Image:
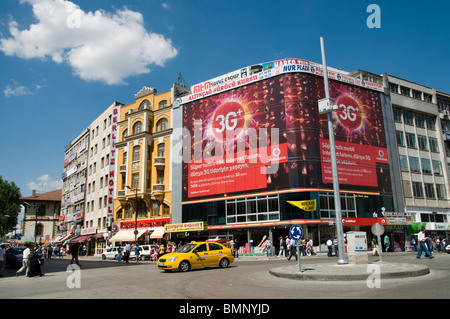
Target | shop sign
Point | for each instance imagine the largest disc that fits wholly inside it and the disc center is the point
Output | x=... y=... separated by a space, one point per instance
x=184 y=227
x=147 y=223
x=346 y=221
x=112 y=161
x=306 y=205
x=88 y=231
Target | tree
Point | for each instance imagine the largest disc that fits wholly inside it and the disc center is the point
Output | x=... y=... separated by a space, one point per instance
x=9 y=206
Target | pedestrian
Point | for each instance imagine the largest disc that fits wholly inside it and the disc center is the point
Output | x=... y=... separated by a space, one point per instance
x=414 y=244
x=50 y=252
x=309 y=247
x=236 y=247
x=336 y=246
x=136 y=252
x=268 y=247
x=386 y=242
x=375 y=248
x=2 y=259
x=330 y=247
x=119 y=254
x=161 y=250
x=233 y=248
x=61 y=252
x=288 y=246
x=35 y=265
x=25 y=262
x=75 y=250
x=282 y=248
x=292 y=245
x=422 y=244
x=126 y=255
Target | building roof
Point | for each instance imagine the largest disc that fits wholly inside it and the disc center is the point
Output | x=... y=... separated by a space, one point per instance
x=55 y=195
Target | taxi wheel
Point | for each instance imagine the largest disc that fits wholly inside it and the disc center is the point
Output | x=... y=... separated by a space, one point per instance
x=184 y=266
x=224 y=263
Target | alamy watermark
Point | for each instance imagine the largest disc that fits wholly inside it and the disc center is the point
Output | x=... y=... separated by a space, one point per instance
x=374 y=19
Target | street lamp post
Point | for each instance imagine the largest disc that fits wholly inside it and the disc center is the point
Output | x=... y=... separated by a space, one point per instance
x=337 y=200
x=135 y=215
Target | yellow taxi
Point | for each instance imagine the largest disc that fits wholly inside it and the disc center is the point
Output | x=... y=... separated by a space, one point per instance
x=196 y=254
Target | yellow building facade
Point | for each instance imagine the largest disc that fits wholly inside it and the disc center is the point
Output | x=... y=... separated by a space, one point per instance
x=143 y=194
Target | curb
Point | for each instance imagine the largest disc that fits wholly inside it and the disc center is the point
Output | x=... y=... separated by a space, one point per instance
x=350 y=272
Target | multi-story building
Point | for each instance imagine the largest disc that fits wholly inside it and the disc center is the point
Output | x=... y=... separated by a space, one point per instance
x=422 y=157
x=100 y=181
x=74 y=186
x=143 y=194
x=41 y=216
x=256 y=154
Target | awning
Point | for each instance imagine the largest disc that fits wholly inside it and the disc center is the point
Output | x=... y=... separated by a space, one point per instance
x=127 y=235
x=69 y=239
x=57 y=239
x=80 y=239
x=158 y=232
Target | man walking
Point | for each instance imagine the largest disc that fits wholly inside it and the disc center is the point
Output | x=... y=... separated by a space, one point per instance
x=25 y=262
x=423 y=246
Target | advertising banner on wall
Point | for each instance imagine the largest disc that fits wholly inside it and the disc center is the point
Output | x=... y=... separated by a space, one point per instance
x=268 y=135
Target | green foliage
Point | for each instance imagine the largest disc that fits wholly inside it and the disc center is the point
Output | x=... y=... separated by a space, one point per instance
x=9 y=206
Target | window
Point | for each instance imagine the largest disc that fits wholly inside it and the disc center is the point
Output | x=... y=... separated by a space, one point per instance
x=417 y=94
x=410 y=140
x=440 y=190
x=437 y=168
x=135 y=181
x=393 y=87
x=128 y=211
x=136 y=153
x=433 y=144
x=162 y=104
x=137 y=127
x=414 y=164
x=163 y=124
x=429 y=191
x=422 y=141
x=417 y=189
x=405 y=91
x=431 y=122
x=327 y=208
x=252 y=209
x=408 y=117
x=427 y=97
x=161 y=149
x=403 y=162
x=397 y=115
x=125 y=134
x=426 y=166
x=145 y=105
x=400 y=138
x=420 y=120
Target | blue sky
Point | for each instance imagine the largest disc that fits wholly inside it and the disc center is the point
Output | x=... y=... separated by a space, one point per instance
x=64 y=62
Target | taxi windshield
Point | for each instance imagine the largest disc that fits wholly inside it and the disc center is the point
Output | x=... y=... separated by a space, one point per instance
x=187 y=248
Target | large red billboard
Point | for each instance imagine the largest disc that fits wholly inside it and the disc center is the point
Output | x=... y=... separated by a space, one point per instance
x=269 y=136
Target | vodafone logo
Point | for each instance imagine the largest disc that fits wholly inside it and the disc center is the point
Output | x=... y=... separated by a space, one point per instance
x=229 y=121
x=349 y=113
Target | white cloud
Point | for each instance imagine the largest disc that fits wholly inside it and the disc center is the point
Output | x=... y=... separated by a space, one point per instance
x=17 y=90
x=44 y=184
x=99 y=46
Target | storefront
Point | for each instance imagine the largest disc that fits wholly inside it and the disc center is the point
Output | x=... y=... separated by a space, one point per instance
x=147 y=231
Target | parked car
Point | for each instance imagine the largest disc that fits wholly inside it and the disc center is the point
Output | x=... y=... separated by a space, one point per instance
x=111 y=253
x=144 y=252
x=196 y=254
x=447 y=249
x=14 y=256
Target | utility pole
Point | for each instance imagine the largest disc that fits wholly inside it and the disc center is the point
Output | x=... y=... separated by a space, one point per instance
x=337 y=198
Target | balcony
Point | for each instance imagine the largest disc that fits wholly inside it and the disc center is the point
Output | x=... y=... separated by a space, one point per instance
x=160 y=162
x=123 y=168
x=158 y=190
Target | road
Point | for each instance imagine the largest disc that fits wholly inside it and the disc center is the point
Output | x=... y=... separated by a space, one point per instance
x=244 y=279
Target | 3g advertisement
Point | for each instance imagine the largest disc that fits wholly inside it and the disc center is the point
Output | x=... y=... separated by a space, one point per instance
x=268 y=136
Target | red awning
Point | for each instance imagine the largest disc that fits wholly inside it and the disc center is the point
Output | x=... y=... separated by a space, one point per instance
x=80 y=239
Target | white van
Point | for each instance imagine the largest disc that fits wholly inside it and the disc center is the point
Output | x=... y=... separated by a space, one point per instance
x=111 y=253
x=144 y=252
